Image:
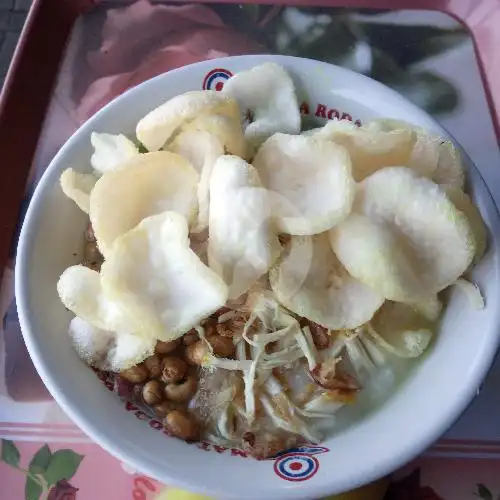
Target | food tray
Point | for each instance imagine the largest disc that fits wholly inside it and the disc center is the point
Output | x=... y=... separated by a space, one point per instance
x=452 y=56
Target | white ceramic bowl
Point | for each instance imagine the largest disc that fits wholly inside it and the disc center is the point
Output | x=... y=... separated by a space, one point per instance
x=422 y=408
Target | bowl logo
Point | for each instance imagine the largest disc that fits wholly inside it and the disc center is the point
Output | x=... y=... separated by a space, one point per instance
x=298 y=464
x=215 y=79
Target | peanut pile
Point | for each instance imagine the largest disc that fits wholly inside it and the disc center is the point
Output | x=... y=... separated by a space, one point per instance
x=168 y=384
x=168 y=380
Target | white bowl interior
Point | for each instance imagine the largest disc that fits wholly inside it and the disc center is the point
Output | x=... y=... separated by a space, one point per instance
x=419 y=411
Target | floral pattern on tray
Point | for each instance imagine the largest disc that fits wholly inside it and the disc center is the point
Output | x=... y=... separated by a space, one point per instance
x=48 y=473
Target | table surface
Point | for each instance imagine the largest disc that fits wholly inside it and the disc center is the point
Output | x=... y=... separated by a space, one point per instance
x=462 y=466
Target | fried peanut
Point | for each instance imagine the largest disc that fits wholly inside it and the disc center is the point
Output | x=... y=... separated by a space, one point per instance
x=182 y=391
x=135 y=374
x=154 y=365
x=182 y=425
x=152 y=392
x=173 y=369
x=167 y=347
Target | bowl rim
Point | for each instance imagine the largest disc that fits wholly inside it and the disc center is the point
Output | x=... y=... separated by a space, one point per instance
x=95 y=431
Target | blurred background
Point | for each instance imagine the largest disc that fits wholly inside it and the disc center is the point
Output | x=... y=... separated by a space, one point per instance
x=12 y=16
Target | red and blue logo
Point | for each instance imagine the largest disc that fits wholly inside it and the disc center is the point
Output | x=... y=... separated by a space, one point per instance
x=298 y=464
x=215 y=79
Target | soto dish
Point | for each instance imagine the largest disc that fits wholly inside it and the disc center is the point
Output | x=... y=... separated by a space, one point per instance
x=248 y=281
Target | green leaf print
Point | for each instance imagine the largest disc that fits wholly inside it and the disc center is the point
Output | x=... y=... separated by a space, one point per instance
x=32 y=489
x=10 y=453
x=40 y=460
x=63 y=465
